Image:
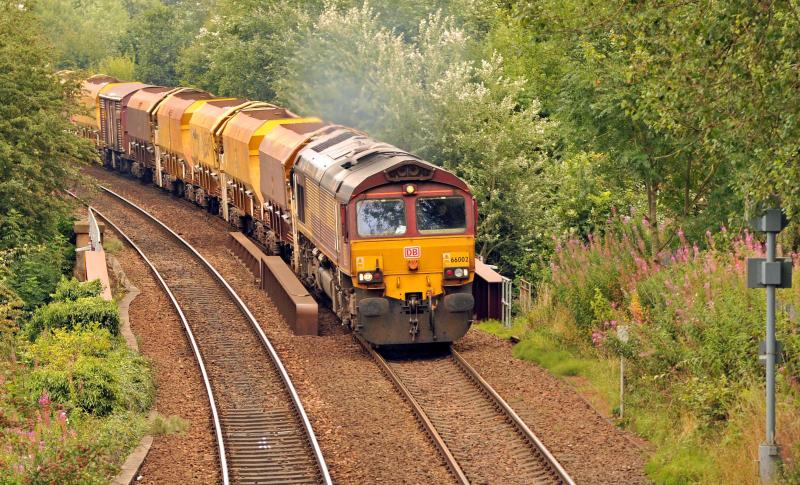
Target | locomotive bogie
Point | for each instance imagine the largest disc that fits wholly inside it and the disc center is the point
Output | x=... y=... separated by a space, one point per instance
x=417 y=319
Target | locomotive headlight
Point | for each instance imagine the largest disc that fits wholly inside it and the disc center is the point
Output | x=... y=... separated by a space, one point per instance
x=459 y=273
x=410 y=189
x=367 y=277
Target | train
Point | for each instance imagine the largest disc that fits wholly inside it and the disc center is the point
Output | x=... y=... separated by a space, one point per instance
x=386 y=238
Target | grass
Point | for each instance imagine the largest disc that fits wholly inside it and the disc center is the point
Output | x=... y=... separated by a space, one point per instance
x=112 y=245
x=166 y=425
x=597 y=379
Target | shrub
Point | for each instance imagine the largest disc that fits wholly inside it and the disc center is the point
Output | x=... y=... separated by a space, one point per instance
x=72 y=289
x=88 y=369
x=71 y=314
x=60 y=446
x=34 y=271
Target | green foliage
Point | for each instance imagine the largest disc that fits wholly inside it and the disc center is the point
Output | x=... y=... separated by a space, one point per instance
x=66 y=25
x=121 y=67
x=694 y=330
x=426 y=95
x=71 y=314
x=89 y=369
x=39 y=154
x=33 y=271
x=243 y=51
x=112 y=245
x=154 y=41
x=54 y=446
x=72 y=289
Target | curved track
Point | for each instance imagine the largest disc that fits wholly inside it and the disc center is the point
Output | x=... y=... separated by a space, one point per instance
x=263 y=433
x=477 y=433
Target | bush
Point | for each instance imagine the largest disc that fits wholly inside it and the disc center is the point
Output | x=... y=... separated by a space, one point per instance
x=71 y=314
x=35 y=271
x=88 y=369
x=72 y=289
x=59 y=446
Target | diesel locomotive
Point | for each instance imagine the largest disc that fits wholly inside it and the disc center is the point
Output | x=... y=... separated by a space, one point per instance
x=386 y=238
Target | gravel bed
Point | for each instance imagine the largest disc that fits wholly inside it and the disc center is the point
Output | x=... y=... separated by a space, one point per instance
x=591 y=449
x=184 y=457
x=366 y=431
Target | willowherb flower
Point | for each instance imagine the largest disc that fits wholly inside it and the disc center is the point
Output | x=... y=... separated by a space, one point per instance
x=44 y=400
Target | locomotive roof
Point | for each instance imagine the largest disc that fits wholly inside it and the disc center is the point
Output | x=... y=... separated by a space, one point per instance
x=346 y=163
x=117 y=91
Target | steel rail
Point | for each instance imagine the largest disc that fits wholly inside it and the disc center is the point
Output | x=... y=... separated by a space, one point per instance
x=430 y=429
x=192 y=342
x=512 y=416
x=298 y=405
x=484 y=387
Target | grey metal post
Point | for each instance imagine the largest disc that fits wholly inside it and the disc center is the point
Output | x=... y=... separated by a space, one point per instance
x=769 y=273
x=768 y=455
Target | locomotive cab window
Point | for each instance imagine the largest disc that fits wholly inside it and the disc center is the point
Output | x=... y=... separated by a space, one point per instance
x=441 y=215
x=381 y=217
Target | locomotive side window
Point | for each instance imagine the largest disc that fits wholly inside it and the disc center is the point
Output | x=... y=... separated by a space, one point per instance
x=301 y=203
x=381 y=217
x=441 y=215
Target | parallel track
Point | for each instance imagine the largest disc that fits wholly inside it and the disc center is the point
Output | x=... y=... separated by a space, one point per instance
x=480 y=437
x=263 y=433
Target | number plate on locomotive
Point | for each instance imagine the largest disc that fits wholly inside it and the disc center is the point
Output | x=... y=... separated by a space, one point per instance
x=412 y=252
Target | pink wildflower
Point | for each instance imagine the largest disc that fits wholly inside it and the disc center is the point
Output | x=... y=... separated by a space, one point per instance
x=44 y=401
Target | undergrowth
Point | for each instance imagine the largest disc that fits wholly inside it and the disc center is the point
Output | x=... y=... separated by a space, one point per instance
x=72 y=395
x=694 y=386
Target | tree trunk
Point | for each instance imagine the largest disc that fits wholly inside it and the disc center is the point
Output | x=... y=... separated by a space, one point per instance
x=652 y=197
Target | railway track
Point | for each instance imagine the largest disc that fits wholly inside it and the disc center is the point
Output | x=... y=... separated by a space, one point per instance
x=480 y=437
x=263 y=433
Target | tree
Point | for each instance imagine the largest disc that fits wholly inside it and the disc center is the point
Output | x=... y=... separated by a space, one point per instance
x=697 y=98
x=243 y=48
x=426 y=95
x=39 y=153
x=154 y=41
x=81 y=33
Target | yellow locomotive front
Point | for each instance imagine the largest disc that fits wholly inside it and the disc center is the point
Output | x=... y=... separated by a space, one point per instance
x=412 y=256
x=389 y=239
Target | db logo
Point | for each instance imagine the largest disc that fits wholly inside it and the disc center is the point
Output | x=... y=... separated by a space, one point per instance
x=412 y=252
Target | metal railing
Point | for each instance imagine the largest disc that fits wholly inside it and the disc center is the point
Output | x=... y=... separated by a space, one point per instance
x=507 y=300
